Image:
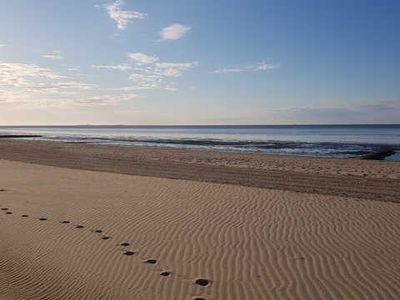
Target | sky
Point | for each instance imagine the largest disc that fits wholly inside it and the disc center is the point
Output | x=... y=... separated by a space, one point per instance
x=199 y=62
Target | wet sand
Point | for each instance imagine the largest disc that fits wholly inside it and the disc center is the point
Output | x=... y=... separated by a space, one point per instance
x=194 y=227
x=364 y=179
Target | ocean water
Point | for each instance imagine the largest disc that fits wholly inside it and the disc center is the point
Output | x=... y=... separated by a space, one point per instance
x=308 y=140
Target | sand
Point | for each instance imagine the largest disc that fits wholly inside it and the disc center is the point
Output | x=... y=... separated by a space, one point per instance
x=245 y=242
x=354 y=178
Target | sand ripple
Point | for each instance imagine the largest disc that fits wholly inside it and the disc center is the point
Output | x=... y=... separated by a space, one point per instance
x=208 y=241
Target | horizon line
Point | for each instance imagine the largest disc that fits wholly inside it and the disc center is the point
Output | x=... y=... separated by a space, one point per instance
x=201 y=125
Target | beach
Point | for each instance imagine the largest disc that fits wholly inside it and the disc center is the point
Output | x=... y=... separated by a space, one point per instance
x=86 y=221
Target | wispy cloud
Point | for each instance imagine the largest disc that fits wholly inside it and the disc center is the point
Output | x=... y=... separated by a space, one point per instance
x=56 y=55
x=261 y=66
x=174 y=32
x=2 y=45
x=148 y=72
x=122 y=17
x=141 y=58
x=73 y=69
x=104 y=100
x=123 y=67
x=173 y=69
x=158 y=75
x=22 y=82
x=21 y=74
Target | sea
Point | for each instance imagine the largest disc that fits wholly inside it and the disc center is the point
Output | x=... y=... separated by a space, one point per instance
x=306 y=140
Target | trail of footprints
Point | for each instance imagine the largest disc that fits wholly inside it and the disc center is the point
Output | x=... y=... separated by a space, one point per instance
x=202 y=282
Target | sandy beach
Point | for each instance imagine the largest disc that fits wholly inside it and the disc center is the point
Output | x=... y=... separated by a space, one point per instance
x=83 y=221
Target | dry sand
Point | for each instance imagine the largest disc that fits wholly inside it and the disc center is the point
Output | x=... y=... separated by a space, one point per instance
x=250 y=242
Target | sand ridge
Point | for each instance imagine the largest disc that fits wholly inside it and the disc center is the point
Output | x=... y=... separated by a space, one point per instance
x=249 y=243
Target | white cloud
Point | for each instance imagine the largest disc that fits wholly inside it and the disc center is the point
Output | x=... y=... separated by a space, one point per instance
x=142 y=58
x=30 y=83
x=123 y=67
x=105 y=99
x=21 y=74
x=122 y=17
x=230 y=70
x=2 y=45
x=158 y=75
x=149 y=73
x=73 y=69
x=173 y=69
x=59 y=86
x=56 y=55
x=261 y=66
x=174 y=32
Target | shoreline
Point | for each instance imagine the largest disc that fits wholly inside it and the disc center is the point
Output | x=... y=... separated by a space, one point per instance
x=340 y=141
x=363 y=179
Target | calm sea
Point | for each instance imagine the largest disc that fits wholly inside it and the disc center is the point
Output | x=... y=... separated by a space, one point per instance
x=310 y=140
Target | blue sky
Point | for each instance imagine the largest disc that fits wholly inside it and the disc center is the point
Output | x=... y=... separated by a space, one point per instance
x=199 y=62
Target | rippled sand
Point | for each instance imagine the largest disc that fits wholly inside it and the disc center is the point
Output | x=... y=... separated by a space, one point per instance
x=75 y=234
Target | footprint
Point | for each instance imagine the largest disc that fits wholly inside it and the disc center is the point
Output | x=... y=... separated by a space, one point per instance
x=98 y=231
x=129 y=253
x=4 y=208
x=165 y=273
x=150 y=261
x=66 y=222
x=80 y=226
x=198 y=298
x=24 y=216
x=2 y=190
x=9 y=212
x=125 y=244
x=202 y=281
x=43 y=219
x=106 y=237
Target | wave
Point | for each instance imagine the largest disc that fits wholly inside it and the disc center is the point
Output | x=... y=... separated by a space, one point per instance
x=325 y=141
x=323 y=149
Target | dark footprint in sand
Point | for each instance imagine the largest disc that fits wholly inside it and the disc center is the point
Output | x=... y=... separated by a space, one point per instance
x=24 y=216
x=4 y=208
x=2 y=190
x=98 y=231
x=129 y=253
x=151 y=261
x=106 y=238
x=65 y=222
x=9 y=212
x=80 y=226
x=198 y=298
x=43 y=219
x=165 y=273
x=125 y=244
x=202 y=282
